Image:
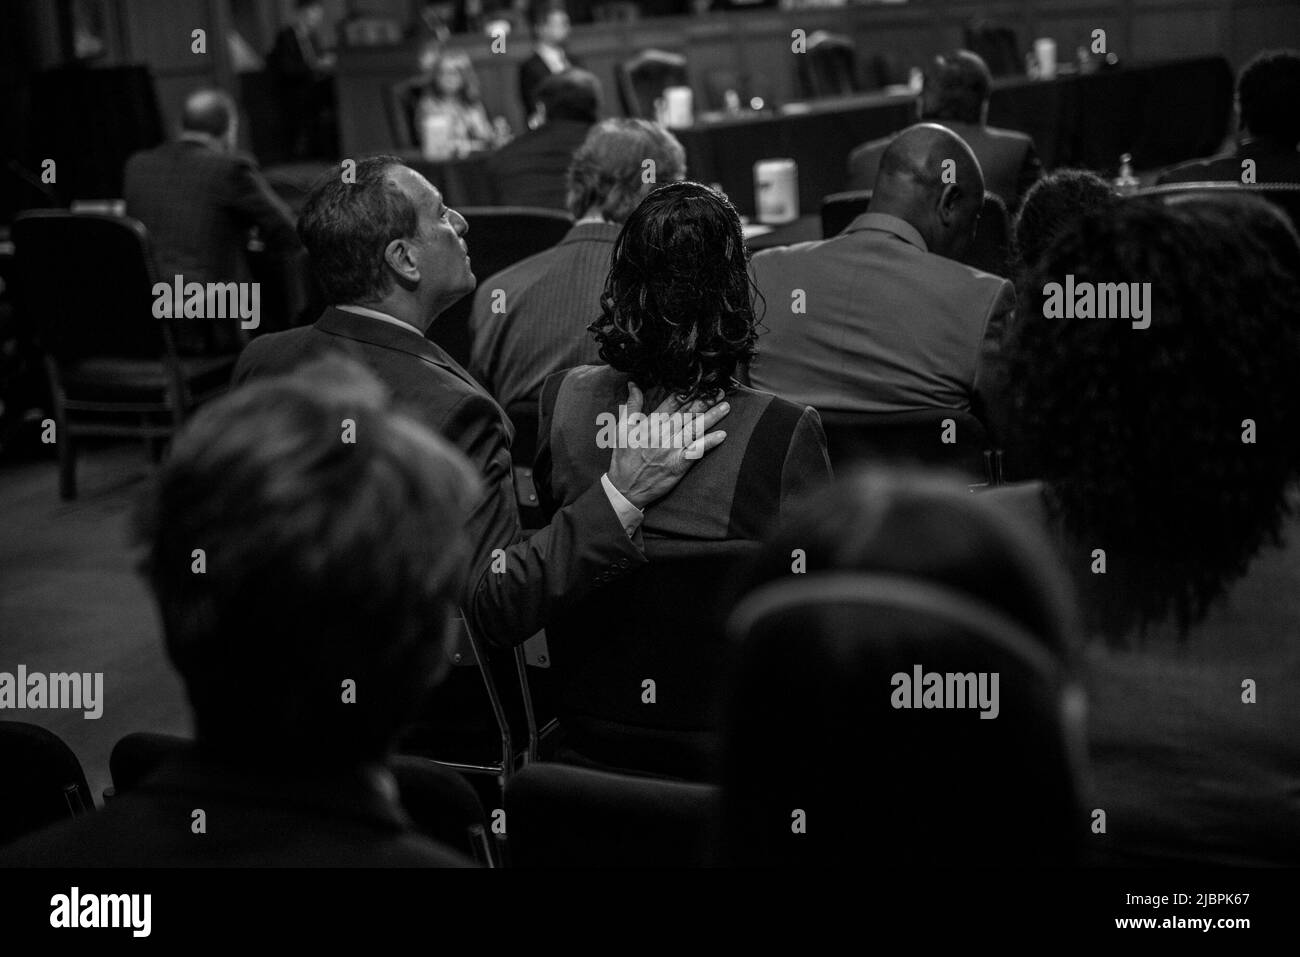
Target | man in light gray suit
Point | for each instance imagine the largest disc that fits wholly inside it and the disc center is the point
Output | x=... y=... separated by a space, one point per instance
x=881 y=318
x=956 y=95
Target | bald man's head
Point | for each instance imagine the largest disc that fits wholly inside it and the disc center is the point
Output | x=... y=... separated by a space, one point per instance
x=929 y=177
x=212 y=113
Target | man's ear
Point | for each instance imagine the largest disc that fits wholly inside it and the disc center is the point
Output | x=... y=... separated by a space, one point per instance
x=950 y=203
x=400 y=257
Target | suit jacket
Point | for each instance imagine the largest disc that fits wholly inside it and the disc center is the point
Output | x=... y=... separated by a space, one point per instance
x=1008 y=159
x=532 y=169
x=775 y=451
x=254 y=818
x=1272 y=165
x=558 y=564
x=199 y=205
x=661 y=624
x=888 y=326
x=293 y=57
x=531 y=74
x=550 y=299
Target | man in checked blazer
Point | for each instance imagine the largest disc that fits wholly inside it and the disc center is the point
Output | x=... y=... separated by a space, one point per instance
x=881 y=318
x=199 y=198
x=390 y=257
x=550 y=298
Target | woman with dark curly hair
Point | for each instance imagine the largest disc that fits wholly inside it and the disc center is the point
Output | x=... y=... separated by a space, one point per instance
x=677 y=320
x=1168 y=455
x=1050 y=206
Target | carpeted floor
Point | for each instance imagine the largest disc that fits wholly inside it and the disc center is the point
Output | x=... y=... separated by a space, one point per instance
x=71 y=601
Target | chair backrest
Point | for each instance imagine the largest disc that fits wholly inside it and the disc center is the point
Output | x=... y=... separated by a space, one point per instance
x=643 y=79
x=41 y=783
x=659 y=624
x=139 y=754
x=997 y=45
x=936 y=437
x=84 y=282
x=830 y=67
x=562 y=816
x=952 y=734
x=888 y=69
x=441 y=803
x=1286 y=196
x=499 y=236
x=840 y=209
x=990 y=251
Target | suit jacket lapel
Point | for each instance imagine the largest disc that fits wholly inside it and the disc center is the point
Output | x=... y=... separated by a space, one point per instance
x=376 y=332
x=385 y=335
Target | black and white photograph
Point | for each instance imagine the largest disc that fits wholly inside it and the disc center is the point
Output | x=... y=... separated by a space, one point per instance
x=725 y=454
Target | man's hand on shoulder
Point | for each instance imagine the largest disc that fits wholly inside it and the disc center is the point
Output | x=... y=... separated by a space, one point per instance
x=669 y=441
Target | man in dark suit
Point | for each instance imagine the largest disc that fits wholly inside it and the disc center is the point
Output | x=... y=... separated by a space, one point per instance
x=303 y=71
x=390 y=256
x=311 y=631
x=531 y=319
x=1268 y=141
x=882 y=318
x=530 y=169
x=550 y=20
x=199 y=198
x=956 y=95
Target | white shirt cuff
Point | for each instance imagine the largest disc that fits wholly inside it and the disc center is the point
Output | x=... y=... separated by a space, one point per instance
x=628 y=514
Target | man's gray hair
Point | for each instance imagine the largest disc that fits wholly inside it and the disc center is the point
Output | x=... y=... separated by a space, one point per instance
x=618 y=164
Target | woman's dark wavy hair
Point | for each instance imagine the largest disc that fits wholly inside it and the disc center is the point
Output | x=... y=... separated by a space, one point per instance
x=677 y=312
x=1139 y=433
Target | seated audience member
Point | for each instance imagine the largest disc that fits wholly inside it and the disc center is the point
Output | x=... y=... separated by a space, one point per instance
x=551 y=298
x=199 y=198
x=1168 y=457
x=446 y=92
x=900 y=567
x=1269 y=130
x=327 y=562
x=303 y=71
x=530 y=169
x=390 y=257
x=881 y=318
x=550 y=22
x=956 y=95
x=1051 y=206
x=677 y=323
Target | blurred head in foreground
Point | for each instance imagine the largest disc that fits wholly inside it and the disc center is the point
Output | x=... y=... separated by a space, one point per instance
x=903 y=694
x=304 y=543
x=1168 y=448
